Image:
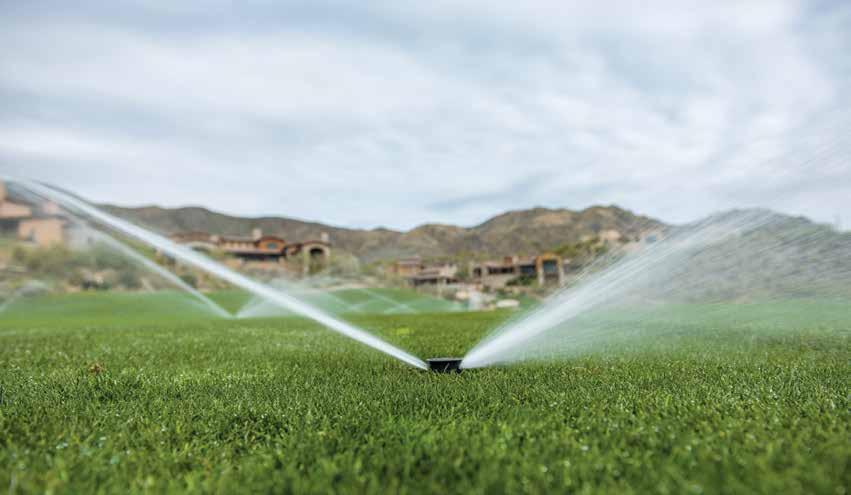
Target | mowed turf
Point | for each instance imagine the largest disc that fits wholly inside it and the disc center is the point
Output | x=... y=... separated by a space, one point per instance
x=353 y=301
x=152 y=396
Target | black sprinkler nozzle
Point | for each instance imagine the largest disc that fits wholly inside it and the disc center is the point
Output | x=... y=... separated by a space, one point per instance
x=444 y=365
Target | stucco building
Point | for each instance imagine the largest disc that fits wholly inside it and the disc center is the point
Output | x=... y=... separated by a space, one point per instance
x=543 y=269
x=407 y=267
x=41 y=225
x=418 y=273
x=437 y=274
x=260 y=250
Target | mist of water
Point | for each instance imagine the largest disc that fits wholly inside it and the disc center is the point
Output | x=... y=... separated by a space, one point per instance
x=199 y=261
x=325 y=292
x=729 y=259
x=165 y=274
x=325 y=299
x=31 y=288
x=396 y=306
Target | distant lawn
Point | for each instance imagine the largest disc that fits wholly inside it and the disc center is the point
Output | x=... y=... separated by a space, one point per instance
x=117 y=393
x=396 y=301
x=88 y=306
x=345 y=302
x=92 y=307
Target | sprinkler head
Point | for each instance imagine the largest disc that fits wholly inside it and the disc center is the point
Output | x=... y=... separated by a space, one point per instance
x=444 y=365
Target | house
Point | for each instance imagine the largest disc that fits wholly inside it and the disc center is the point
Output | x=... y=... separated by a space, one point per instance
x=259 y=250
x=543 y=269
x=407 y=267
x=41 y=225
x=418 y=273
x=42 y=231
x=438 y=274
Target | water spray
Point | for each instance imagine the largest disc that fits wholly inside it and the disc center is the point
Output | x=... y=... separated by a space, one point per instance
x=705 y=268
x=162 y=272
x=199 y=261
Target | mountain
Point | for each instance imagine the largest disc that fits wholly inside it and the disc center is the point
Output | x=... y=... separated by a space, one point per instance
x=515 y=232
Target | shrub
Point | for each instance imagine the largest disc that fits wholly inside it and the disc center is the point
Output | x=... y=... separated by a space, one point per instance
x=129 y=279
x=190 y=279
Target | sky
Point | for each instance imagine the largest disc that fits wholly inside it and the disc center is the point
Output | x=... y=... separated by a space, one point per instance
x=365 y=113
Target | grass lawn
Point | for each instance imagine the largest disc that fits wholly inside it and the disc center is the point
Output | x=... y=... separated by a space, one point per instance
x=354 y=301
x=112 y=393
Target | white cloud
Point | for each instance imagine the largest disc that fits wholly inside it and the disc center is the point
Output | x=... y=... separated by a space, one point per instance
x=377 y=118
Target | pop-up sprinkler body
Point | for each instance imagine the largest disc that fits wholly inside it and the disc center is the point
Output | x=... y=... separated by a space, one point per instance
x=444 y=365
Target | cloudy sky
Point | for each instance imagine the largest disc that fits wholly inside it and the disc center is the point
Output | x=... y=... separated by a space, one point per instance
x=361 y=113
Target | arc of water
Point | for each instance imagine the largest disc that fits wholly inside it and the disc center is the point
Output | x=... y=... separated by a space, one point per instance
x=255 y=306
x=606 y=285
x=404 y=307
x=339 y=300
x=202 y=262
x=169 y=276
x=17 y=294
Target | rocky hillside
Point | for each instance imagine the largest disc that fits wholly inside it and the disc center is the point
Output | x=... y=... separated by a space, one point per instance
x=523 y=231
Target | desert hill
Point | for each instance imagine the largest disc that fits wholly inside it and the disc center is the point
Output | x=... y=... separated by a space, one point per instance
x=522 y=231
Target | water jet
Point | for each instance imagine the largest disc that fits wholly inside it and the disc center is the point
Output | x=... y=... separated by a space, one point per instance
x=197 y=260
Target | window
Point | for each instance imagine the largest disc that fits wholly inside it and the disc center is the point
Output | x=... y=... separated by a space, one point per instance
x=271 y=245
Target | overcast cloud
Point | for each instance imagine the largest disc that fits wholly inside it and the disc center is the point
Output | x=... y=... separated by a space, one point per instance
x=398 y=113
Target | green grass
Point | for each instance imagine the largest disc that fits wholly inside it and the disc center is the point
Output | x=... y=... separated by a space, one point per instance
x=355 y=301
x=85 y=308
x=91 y=307
x=188 y=403
x=388 y=301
